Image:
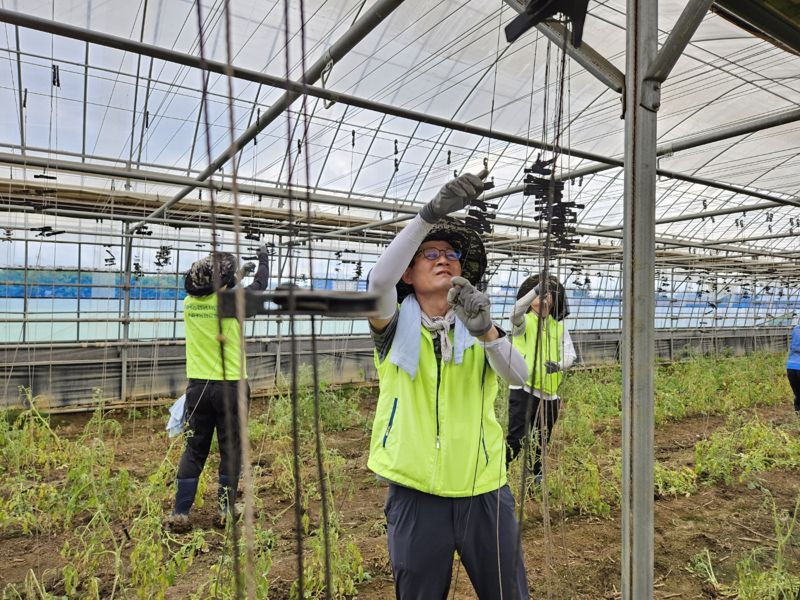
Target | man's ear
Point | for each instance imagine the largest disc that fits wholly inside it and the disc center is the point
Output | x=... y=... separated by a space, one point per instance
x=407 y=276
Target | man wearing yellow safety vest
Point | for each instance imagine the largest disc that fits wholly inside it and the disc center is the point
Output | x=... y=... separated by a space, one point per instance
x=534 y=405
x=435 y=439
x=215 y=372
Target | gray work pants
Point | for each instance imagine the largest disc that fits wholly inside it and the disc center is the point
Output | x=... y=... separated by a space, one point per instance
x=424 y=531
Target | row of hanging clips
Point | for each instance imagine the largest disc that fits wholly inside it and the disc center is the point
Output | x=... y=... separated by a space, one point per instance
x=481 y=213
x=559 y=216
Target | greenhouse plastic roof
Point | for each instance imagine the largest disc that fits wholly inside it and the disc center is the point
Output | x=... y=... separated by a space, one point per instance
x=448 y=59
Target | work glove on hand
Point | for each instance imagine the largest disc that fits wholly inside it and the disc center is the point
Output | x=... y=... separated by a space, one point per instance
x=245 y=270
x=471 y=306
x=263 y=254
x=522 y=306
x=552 y=367
x=453 y=196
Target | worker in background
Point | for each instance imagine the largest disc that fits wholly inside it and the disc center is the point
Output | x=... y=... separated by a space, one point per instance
x=435 y=439
x=793 y=366
x=215 y=371
x=548 y=353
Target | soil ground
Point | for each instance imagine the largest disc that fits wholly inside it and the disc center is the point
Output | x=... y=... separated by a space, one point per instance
x=578 y=557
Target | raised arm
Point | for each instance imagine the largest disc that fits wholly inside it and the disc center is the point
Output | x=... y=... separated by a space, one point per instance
x=390 y=267
x=453 y=196
x=519 y=310
x=506 y=361
x=473 y=308
x=568 y=354
x=262 y=272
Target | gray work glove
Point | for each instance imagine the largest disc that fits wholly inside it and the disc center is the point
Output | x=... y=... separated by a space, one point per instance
x=453 y=196
x=552 y=367
x=243 y=271
x=263 y=254
x=471 y=306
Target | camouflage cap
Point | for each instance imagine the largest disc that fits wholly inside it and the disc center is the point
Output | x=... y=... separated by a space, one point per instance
x=560 y=303
x=462 y=238
x=199 y=279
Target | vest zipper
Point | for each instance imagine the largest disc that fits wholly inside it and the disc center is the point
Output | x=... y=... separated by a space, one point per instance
x=391 y=420
x=438 y=381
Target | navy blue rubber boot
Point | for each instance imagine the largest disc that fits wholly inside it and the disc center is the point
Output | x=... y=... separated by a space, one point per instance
x=178 y=521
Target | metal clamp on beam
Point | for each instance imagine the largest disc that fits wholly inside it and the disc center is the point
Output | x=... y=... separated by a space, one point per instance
x=651 y=95
x=326 y=71
x=300 y=301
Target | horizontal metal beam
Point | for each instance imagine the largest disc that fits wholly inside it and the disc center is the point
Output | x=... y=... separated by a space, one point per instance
x=390 y=205
x=719 y=134
x=706 y=214
x=188 y=60
x=754 y=238
x=243 y=187
x=777 y=119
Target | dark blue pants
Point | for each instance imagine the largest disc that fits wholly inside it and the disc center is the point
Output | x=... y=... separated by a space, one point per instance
x=519 y=402
x=794 y=381
x=212 y=405
x=425 y=530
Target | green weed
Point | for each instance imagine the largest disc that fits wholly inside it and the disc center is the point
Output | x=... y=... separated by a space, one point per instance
x=674 y=482
x=346 y=564
x=765 y=573
x=747 y=447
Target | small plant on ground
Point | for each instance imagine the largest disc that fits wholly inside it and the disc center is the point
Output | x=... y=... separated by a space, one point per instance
x=765 y=573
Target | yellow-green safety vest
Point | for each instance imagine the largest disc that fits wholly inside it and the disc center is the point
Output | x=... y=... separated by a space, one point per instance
x=552 y=338
x=438 y=432
x=203 y=360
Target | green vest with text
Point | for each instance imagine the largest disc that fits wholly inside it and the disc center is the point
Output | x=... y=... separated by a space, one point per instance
x=203 y=359
x=550 y=349
x=437 y=433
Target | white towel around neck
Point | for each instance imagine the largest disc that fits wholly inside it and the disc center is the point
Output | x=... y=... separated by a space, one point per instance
x=407 y=341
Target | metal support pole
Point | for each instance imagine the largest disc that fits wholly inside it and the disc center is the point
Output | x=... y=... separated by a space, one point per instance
x=25 y=289
x=79 y=290
x=126 y=323
x=177 y=292
x=638 y=350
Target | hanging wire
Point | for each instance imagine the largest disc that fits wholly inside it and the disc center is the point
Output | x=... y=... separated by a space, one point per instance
x=547 y=215
x=216 y=279
x=314 y=365
x=242 y=389
x=292 y=318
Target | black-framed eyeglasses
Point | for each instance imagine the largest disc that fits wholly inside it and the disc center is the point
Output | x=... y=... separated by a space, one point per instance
x=435 y=253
